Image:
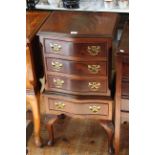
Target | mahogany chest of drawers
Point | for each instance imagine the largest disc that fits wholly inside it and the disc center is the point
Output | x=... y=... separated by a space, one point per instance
x=77 y=50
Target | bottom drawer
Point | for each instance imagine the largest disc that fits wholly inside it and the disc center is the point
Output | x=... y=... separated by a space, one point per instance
x=96 y=108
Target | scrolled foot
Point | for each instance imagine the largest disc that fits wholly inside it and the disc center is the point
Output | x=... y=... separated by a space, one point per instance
x=49 y=125
x=111 y=150
x=50 y=143
x=109 y=128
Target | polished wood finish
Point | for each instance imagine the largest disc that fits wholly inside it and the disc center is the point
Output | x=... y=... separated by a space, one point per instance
x=83 y=68
x=76 y=85
x=122 y=85
x=34 y=20
x=81 y=24
x=77 y=48
x=34 y=68
x=90 y=46
x=79 y=106
x=71 y=43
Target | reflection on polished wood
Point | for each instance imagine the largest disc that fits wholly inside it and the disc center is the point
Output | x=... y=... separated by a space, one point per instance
x=34 y=19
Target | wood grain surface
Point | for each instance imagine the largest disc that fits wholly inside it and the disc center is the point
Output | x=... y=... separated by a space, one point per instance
x=79 y=23
x=34 y=20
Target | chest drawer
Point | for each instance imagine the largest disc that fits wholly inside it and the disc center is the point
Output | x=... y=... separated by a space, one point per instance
x=77 y=85
x=61 y=104
x=77 y=67
x=78 y=50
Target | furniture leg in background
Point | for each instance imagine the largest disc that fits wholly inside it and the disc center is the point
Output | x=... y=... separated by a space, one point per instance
x=33 y=100
x=122 y=86
x=118 y=107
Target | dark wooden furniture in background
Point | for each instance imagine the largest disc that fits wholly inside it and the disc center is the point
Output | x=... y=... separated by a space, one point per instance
x=77 y=50
x=34 y=67
x=122 y=85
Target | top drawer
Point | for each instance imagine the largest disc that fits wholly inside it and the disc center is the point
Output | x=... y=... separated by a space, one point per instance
x=78 y=50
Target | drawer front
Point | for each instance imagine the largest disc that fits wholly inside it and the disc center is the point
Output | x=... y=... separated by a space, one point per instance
x=77 y=68
x=81 y=86
x=94 y=108
x=80 y=50
x=81 y=109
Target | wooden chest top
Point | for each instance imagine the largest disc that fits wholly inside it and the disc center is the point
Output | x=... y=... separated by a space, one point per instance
x=34 y=19
x=77 y=24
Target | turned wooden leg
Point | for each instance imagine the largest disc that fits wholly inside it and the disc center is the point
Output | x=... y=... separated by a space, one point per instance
x=33 y=100
x=49 y=125
x=109 y=128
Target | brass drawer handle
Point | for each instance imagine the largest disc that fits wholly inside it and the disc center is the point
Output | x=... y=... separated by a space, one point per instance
x=58 y=83
x=94 y=86
x=94 y=50
x=94 y=108
x=94 y=69
x=59 y=105
x=56 y=65
x=55 y=47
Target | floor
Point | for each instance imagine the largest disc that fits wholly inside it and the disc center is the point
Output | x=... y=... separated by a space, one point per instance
x=78 y=137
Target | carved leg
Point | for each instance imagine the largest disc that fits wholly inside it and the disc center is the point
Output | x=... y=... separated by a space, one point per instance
x=49 y=125
x=109 y=128
x=33 y=100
